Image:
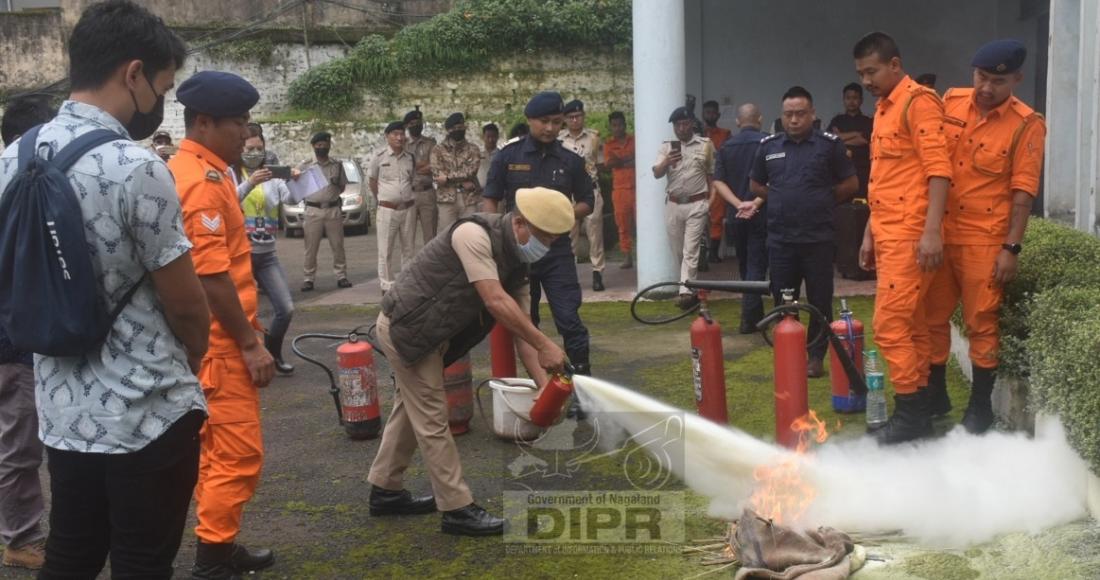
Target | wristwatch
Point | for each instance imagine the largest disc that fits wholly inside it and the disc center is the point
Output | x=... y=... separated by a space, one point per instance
x=1014 y=248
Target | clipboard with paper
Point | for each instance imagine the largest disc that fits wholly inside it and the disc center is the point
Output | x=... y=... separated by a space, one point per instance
x=308 y=183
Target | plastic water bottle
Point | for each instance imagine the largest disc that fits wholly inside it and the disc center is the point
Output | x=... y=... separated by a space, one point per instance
x=876 y=396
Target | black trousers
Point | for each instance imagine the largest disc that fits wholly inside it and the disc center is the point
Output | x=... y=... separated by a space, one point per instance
x=750 y=239
x=790 y=265
x=132 y=506
x=557 y=275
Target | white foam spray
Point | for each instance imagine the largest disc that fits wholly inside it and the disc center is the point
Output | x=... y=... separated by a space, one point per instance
x=950 y=492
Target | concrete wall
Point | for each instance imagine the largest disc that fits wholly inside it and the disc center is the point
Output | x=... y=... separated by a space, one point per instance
x=753 y=50
x=372 y=15
x=32 y=52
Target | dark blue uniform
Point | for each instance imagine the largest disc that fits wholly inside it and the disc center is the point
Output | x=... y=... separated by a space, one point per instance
x=733 y=166
x=529 y=163
x=800 y=176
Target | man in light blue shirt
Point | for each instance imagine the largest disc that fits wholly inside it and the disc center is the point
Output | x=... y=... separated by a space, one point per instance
x=121 y=422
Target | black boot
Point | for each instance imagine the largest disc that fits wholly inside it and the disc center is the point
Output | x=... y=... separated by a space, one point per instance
x=597 y=282
x=385 y=502
x=910 y=420
x=939 y=403
x=212 y=562
x=575 y=411
x=704 y=261
x=979 y=411
x=472 y=520
x=715 y=245
x=243 y=561
x=275 y=347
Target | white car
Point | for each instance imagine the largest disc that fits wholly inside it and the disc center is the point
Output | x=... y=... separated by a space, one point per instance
x=356 y=206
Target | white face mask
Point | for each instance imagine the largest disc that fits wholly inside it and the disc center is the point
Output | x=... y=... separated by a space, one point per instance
x=533 y=251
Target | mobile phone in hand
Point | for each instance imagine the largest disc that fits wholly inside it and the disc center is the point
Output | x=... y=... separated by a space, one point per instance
x=675 y=146
x=279 y=171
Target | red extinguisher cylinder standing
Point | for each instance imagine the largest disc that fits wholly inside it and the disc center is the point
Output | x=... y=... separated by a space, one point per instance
x=850 y=332
x=548 y=405
x=359 y=409
x=502 y=352
x=708 y=369
x=791 y=383
x=458 y=385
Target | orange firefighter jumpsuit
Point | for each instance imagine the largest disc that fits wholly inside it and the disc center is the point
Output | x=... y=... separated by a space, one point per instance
x=992 y=158
x=717 y=136
x=622 y=188
x=232 y=445
x=907 y=149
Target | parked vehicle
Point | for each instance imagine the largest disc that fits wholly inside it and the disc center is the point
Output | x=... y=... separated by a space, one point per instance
x=357 y=205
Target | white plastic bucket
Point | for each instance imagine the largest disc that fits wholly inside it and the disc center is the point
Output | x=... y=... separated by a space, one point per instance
x=512 y=402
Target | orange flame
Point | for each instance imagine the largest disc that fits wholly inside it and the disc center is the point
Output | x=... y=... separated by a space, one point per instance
x=781 y=494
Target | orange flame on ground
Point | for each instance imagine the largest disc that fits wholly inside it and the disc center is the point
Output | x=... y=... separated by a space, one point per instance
x=781 y=494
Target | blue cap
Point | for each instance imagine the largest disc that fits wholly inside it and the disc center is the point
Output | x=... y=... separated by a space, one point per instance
x=574 y=106
x=544 y=104
x=1000 y=56
x=454 y=119
x=413 y=115
x=394 y=126
x=680 y=114
x=218 y=94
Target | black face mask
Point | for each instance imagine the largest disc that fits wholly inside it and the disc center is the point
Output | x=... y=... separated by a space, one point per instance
x=416 y=130
x=321 y=152
x=141 y=124
x=457 y=135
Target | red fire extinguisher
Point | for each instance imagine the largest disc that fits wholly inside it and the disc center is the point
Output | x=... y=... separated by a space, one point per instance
x=502 y=352
x=708 y=371
x=849 y=331
x=548 y=405
x=791 y=383
x=359 y=409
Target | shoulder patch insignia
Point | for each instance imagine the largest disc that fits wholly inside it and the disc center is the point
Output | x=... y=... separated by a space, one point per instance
x=213 y=175
x=212 y=223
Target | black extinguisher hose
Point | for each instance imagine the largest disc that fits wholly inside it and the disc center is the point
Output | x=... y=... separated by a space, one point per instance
x=333 y=389
x=855 y=378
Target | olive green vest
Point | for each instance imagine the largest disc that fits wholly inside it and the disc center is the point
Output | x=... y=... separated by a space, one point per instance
x=433 y=301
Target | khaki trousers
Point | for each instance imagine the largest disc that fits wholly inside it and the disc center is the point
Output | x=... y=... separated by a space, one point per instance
x=419 y=420
x=449 y=213
x=593 y=229
x=686 y=224
x=425 y=210
x=317 y=224
x=396 y=230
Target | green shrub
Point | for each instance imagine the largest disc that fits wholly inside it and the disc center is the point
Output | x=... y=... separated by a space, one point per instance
x=462 y=40
x=1063 y=347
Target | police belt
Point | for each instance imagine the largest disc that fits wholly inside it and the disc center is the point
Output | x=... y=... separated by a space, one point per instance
x=322 y=204
x=399 y=205
x=688 y=199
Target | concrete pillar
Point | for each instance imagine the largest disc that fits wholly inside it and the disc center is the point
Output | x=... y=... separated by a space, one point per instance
x=658 y=89
x=1060 y=189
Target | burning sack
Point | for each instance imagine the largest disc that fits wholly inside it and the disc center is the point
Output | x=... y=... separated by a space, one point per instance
x=769 y=550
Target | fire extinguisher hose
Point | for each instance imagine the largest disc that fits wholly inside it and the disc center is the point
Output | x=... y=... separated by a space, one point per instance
x=333 y=389
x=855 y=378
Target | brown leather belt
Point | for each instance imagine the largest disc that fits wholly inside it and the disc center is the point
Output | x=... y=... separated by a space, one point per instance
x=392 y=205
x=322 y=204
x=690 y=198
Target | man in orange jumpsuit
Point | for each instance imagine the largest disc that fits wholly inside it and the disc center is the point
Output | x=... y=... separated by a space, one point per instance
x=216 y=106
x=910 y=171
x=618 y=155
x=717 y=215
x=997 y=152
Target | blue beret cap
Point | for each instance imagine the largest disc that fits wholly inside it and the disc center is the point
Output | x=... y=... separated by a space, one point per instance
x=680 y=114
x=216 y=93
x=411 y=115
x=394 y=126
x=574 y=106
x=543 y=104
x=1000 y=56
x=453 y=120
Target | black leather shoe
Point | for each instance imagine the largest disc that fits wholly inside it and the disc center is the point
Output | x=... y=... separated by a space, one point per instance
x=343 y=283
x=939 y=403
x=242 y=560
x=597 y=282
x=283 y=368
x=212 y=562
x=307 y=286
x=472 y=520
x=385 y=502
x=979 y=415
x=909 y=422
x=275 y=347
